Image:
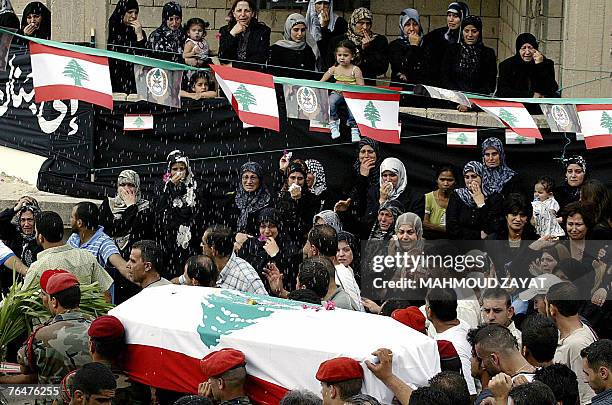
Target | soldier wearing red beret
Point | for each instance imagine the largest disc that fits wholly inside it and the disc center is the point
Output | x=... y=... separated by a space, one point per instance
x=224 y=377
x=340 y=379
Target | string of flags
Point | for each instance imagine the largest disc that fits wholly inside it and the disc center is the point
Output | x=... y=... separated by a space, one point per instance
x=67 y=74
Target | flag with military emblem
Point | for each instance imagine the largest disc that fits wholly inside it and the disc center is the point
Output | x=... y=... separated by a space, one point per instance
x=306 y=103
x=159 y=86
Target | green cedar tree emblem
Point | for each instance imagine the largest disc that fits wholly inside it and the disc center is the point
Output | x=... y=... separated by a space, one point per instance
x=75 y=72
x=138 y=122
x=507 y=117
x=606 y=121
x=371 y=113
x=462 y=139
x=244 y=97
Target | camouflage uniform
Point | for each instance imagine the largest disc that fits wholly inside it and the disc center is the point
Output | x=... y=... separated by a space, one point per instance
x=127 y=392
x=59 y=346
x=237 y=401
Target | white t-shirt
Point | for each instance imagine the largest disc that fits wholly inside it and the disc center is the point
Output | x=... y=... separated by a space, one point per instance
x=5 y=253
x=457 y=335
x=568 y=353
x=346 y=279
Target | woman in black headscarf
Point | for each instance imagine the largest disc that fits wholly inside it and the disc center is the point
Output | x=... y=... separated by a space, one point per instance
x=169 y=38
x=575 y=174
x=36 y=21
x=244 y=38
x=125 y=35
x=469 y=65
x=406 y=53
x=8 y=18
x=528 y=73
x=17 y=229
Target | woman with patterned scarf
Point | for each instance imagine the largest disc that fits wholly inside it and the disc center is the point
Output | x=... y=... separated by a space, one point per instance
x=169 y=38
x=469 y=65
x=373 y=49
x=180 y=214
x=497 y=176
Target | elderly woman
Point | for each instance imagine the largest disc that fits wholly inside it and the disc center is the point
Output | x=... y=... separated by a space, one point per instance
x=125 y=34
x=407 y=241
x=169 y=38
x=180 y=212
x=36 y=21
x=330 y=218
x=469 y=65
x=472 y=212
x=315 y=178
x=373 y=49
x=393 y=185
x=297 y=51
x=323 y=25
x=528 y=73
x=406 y=53
x=575 y=175
x=497 y=176
x=18 y=229
x=244 y=39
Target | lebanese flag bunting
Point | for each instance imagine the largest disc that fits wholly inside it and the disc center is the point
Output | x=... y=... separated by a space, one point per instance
x=512 y=138
x=319 y=126
x=137 y=122
x=596 y=122
x=462 y=137
x=59 y=74
x=376 y=115
x=513 y=115
x=251 y=94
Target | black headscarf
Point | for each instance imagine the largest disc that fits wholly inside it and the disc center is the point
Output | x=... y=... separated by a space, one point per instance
x=8 y=18
x=253 y=201
x=168 y=42
x=373 y=176
x=469 y=55
x=36 y=7
x=118 y=32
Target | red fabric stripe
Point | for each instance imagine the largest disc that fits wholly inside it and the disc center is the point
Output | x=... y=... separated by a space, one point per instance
x=496 y=103
x=528 y=132
x=593 y=107
x=450 y=145
x=372 y=96
x=598 y=141
x=382 y=135
x=462 y=130
x=322 y=130
x=36 y=49
x=170 y=370
x=244 y=76
x=67 y=92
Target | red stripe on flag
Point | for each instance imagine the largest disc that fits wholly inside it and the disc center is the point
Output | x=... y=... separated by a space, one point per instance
x=528 y=132
x=170 y=370
x=38 y=49
x=68 y=92
x=244 y=76
x=496 y=103
x=372 y=96
x=450 y=145
x=593 y=107
x=319 y=129
x=260 y=120
x=462 y=129
x=598 y=141
x=382 y=135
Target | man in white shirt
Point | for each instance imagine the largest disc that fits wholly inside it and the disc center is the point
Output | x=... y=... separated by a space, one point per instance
x=441 y=310
x=497 y=309
x=562 y=305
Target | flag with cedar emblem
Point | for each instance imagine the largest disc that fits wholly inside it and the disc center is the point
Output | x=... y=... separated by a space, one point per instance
x=251 y=94
x=596 y=123
x=62 y=75
x=137 y=122
x=376 y=115
x=513 y=115
x=512 y=138
x=462 y=137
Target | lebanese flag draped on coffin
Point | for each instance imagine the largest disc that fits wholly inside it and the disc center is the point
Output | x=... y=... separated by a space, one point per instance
x=170 y=328
x=377 y=115
x=59 y=74
x=513 y=115
x=251 y=94
x=596 y=122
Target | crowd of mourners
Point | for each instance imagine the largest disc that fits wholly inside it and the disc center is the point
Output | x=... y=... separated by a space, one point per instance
x=288 y=234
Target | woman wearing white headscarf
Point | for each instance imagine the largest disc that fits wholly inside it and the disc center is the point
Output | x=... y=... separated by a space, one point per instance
x=297 y=51
x=323 y=25
x=394 y=186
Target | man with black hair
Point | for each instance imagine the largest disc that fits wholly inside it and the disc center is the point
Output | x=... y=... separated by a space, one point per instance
x=234 y=273
x=60 y=344
x=562 y=305
x=304 y=295
x=58 y=255
x=534 y=393
x=540 y=336
x=561 y=380
x=300 y=397
x=428 y=396
x=441 y=310
x=200 y=270
x=94 y=383
x=453 y=385
x=145 y=264
x=323 y=241
x=597 y=367
x=341 y=378
x=87 y=234
x=107 y=346
x=497 y=308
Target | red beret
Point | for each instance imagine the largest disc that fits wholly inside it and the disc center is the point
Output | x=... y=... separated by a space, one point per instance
x=339 y=369
x=106 y=327
x=411 y=316
x=60 y=282
x=44 y=278
x=216 y=363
